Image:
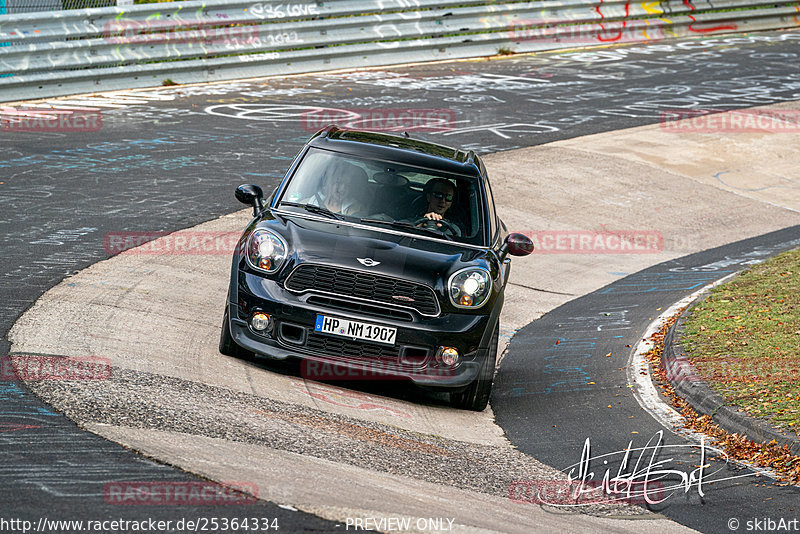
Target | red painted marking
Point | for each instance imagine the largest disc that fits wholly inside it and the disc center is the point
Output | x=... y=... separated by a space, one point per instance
x=621 y=28
x=11 y=427
x=731 y=26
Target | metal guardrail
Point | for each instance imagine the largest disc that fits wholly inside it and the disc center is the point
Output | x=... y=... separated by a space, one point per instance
x=32 y=6
x=68 y=52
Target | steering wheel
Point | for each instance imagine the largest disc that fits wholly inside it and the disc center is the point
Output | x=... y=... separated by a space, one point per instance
x=443 y=226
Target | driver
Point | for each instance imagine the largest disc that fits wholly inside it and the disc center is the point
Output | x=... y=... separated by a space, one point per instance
x=439 y=194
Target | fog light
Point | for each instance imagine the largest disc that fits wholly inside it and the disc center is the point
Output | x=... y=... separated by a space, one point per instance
x=261 y=322
x=448 y=356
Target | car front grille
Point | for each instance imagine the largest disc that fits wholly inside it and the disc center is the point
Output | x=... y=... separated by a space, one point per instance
x=401 y=357
x=347 y=349
x=362 y=285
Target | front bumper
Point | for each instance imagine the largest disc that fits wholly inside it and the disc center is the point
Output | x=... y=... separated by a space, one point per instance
x=326 y=356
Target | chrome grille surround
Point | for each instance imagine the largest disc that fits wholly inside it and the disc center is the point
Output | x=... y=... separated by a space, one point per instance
x=364 y=286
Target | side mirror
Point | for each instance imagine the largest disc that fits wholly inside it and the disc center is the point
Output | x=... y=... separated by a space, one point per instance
x=517 y=245
x=252 y=195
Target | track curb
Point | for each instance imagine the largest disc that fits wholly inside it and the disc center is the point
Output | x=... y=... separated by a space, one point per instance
x=695 y=390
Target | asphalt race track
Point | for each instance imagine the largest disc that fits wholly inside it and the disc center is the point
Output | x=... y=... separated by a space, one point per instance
x=556 y=389
x=169 y=159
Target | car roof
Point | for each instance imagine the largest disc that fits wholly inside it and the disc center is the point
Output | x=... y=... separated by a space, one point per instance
x=395 y=148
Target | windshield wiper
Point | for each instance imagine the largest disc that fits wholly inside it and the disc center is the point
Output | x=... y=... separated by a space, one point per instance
x=314 y=209
x=408 y=226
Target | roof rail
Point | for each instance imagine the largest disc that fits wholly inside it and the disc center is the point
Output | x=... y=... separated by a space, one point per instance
x=471 y=157
x=329 y=130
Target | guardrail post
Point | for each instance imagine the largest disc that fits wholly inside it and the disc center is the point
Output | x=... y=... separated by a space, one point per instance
x=3 y=12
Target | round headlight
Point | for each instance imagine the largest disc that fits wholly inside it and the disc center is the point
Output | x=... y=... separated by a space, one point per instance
x=266 y=251
x=470 y=288
x=266 y=248
x=471 y=285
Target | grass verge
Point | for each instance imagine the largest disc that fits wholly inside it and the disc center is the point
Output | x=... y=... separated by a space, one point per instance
x=737 y=447
x=744 y=340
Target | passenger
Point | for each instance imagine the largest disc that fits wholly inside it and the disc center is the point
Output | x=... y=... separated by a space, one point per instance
x=341 y=186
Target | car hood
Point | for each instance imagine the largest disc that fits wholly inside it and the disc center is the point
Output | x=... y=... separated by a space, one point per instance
x=373 y=250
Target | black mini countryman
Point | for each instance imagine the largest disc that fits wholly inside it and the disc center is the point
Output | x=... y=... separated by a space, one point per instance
x=377 y=257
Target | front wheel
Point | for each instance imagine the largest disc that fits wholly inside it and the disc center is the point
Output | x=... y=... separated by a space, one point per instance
x=476 y=396
x=227 y=345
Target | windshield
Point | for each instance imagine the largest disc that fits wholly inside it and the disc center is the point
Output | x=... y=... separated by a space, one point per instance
x=387 y=195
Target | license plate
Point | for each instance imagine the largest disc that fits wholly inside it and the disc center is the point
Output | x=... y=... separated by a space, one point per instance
x=355 y=329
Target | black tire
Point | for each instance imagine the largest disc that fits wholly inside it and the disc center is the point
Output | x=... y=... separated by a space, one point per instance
x=477 y=394
x=227 y=345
